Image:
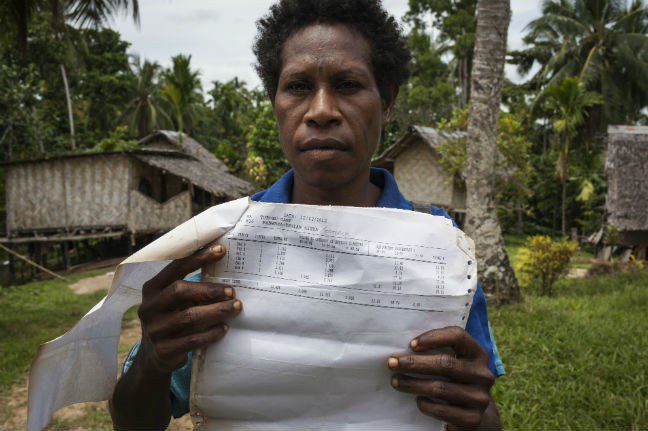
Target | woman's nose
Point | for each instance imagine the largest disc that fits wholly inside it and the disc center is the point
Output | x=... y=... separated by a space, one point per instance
x=323 y=110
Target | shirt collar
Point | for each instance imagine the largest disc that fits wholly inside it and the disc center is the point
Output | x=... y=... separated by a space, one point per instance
x=281 y=191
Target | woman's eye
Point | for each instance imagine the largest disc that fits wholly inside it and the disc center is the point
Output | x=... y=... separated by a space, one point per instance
x=349 y=86
x=298 y=87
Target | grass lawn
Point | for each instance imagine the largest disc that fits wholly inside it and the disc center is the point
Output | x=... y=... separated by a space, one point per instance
x=574 y=361
x=33 y=314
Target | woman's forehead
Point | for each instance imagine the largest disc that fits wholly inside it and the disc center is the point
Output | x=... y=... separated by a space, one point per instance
x=326 y=45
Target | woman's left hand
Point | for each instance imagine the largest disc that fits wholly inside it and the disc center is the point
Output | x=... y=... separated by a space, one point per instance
x=463 y=397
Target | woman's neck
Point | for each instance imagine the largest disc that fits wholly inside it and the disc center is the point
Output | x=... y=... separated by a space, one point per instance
x=359 y=193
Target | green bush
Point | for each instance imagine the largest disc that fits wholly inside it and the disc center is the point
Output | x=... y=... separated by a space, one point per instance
x=543 y=260
x=117 y=140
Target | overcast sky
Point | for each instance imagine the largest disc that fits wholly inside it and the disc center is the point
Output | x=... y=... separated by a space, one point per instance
x=219 y=33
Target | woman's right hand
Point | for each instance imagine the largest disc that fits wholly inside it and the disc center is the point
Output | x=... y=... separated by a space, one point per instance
x=179 y=316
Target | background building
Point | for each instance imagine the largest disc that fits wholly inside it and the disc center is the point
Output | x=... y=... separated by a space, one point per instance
x=627 y=194
x=136 y=194
x=414 y=161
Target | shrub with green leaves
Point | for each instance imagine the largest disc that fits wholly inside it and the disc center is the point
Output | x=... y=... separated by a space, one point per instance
x=543 y=261
x=117 y=140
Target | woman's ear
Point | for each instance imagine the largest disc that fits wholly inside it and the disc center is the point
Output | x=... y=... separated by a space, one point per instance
x=388 y=104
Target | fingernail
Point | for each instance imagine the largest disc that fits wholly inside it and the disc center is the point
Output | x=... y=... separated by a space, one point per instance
x=226 y=327
x=414 y=344
x=392 y=363
x=217 y=249
x=394 y=381
x=229 y=292
x=237 y=305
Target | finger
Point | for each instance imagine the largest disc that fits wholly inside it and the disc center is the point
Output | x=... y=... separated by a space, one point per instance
x=180 y=268
x=453 y=337
x=456 y=369
x=453 y=393
x=193 y=319
x=454 y=415
x=178 y=347
x=183 y=294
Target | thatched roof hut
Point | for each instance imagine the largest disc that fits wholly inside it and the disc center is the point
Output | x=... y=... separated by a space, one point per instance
x=146 y=191
x=627 y=171
x=201 y=168
x=414 y=161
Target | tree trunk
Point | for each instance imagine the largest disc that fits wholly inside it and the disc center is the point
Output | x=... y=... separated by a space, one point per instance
x=564 y=206
x=69 y=106
x=463 y=77
x=41 y=146
x=563 y=165
x=9 y=146
x=495 y=272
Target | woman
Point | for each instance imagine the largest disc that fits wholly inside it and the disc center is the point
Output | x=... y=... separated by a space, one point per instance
x=332 y=70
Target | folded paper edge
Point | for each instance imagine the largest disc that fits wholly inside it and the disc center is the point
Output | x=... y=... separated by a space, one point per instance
x=226 y=216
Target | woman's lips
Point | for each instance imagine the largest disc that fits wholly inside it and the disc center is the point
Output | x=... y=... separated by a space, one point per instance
x=323 y=149
x=323 y=144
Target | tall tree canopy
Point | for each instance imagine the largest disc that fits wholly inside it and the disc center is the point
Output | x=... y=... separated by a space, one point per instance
x=604 y=42
x=144 y=112
x=183 y=92
x=455 y=22
x=95 y=13
x=570 y=101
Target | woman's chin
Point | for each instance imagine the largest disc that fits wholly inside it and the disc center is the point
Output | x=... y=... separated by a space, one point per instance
x=324 y=178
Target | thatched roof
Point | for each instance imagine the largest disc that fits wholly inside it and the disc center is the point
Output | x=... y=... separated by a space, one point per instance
x=627 y=171
x=199 y=166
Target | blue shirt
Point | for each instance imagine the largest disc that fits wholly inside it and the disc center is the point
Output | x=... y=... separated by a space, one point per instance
x=281 y=192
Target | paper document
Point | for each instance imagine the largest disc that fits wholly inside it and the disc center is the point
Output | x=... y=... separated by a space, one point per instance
x=328 y=294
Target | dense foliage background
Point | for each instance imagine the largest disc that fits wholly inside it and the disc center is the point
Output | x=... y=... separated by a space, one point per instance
x=585 y=63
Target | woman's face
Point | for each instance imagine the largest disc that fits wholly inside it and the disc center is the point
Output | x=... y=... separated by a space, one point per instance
x=328 y=105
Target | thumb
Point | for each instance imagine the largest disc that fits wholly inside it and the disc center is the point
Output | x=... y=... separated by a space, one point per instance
x=180 y=268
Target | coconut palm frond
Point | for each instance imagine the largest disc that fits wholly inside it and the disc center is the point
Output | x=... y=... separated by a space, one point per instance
x=97 y=13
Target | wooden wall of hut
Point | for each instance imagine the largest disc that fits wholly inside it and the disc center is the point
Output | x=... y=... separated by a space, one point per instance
x=421 y=178
x=627 y=189
x=68 y=193
x=149 y=216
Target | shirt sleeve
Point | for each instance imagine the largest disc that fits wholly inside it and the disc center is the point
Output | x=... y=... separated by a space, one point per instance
x=479 y=328
x=180 y=383
x=478 y=325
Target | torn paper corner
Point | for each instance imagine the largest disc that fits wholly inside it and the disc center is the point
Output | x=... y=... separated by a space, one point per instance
x=81 y=365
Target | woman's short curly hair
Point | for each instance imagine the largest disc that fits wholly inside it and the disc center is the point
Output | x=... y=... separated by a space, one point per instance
x=390 y=55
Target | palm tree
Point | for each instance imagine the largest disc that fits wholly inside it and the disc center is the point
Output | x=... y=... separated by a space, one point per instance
x=604 y=42
x=79 y=12
x=482 y=223
x=569 y=100
x=144 y=111
x=183 y=92
x=95 y=13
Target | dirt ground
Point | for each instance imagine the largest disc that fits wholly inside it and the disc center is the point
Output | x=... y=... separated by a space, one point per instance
x=577 y=273
x=93 y=284
x=13 y=407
